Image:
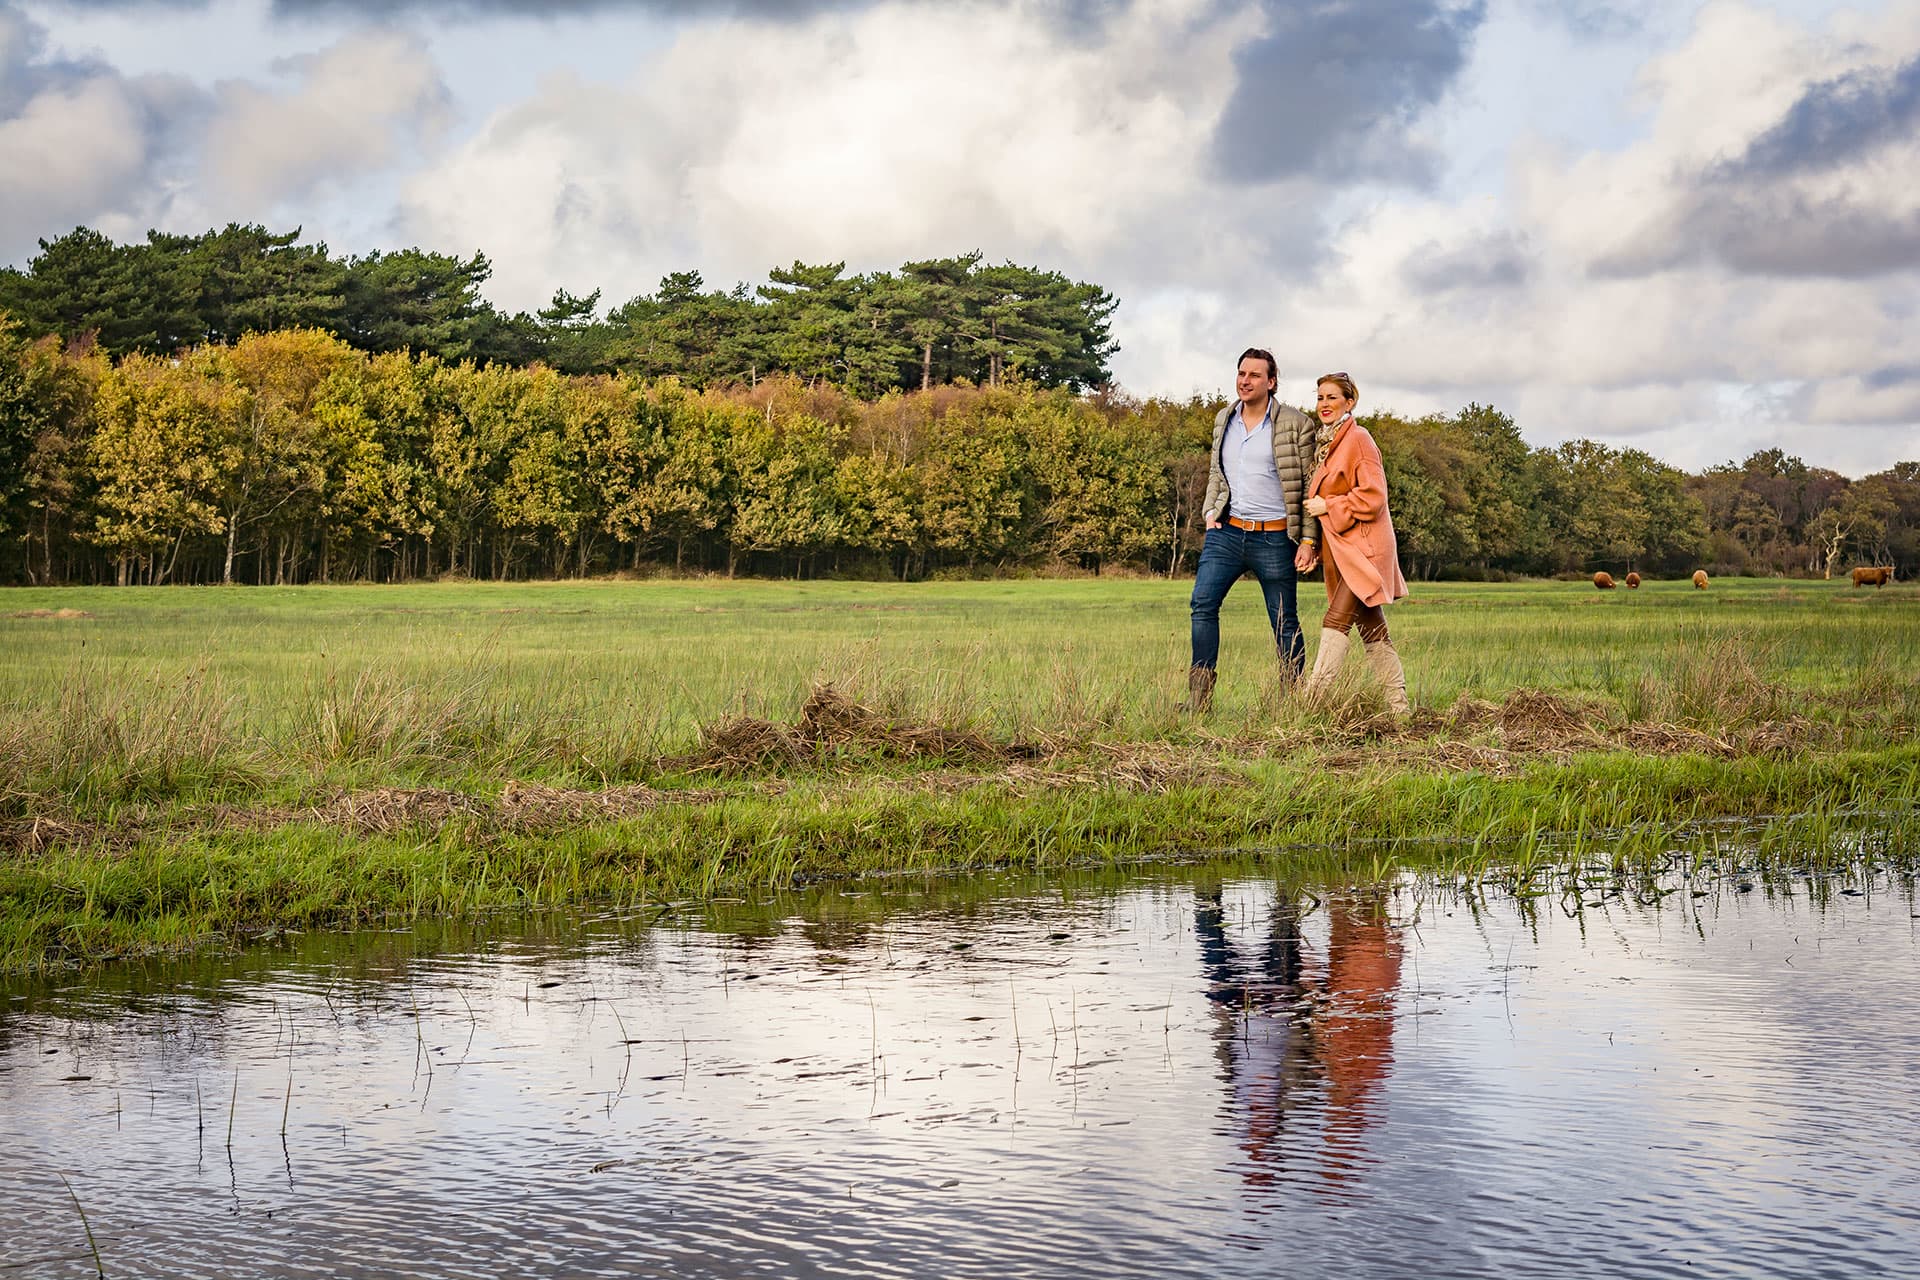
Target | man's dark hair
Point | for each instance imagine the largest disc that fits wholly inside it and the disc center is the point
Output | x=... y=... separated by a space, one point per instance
x=1273 y=367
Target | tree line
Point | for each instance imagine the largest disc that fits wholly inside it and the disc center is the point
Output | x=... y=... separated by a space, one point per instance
x=292 y=456
x=933 y=322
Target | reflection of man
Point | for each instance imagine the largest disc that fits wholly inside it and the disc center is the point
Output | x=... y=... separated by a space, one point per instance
x=1264 y=1055
x=1256 y=523
x=1292 y=1033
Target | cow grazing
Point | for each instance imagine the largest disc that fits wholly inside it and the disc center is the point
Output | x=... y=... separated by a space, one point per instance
x=1700 y=579
x=1633 y=580
x=1878 y=576
x=1604 y=581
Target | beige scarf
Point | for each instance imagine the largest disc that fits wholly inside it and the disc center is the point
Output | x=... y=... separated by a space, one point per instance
x=1323 y=440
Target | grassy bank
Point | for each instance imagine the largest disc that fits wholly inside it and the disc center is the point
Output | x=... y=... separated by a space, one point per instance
x=179 y=765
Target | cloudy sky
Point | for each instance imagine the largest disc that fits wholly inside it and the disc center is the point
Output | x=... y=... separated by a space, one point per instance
x=1692 y=228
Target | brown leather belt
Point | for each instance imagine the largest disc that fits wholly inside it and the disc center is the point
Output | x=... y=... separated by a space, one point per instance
x=1258 y=526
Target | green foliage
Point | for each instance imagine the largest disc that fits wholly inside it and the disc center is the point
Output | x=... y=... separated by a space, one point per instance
x=421 y=302
x=289 y=456
x=163 y=440
x=371 y=431
x=703 y=338
x=21 y=421
x=278 y=415
x=938 y=321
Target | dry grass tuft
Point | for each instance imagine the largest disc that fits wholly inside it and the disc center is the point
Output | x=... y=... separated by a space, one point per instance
x=1718 y=686
x=1532 y=724
x=40 y=832
x=385 y=810
x=529 y=806
x=831 y=723
x=746 y=744
x=1446 y=755
x=1534 y=711
x=1156 y=769
x=1674 y=739
x=522 y=807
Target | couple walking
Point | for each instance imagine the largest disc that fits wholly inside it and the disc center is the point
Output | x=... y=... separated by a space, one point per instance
x=1286 y=493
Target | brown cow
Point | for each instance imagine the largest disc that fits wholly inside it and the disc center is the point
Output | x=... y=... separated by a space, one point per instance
x=1878 y=576
x=1633 y=580
x=1604 y=581
x=1700 y=579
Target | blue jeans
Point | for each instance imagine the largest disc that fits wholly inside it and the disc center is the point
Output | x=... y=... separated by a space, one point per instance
x=1228 y=553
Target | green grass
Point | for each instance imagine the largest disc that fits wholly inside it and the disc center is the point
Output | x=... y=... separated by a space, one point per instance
x=158 y=754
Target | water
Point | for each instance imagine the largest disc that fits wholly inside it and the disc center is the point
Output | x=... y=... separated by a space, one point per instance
x=1143 y=1074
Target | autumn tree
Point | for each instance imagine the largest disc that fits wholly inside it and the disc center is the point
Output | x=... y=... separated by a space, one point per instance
x=156 y=456
x=47 y=395
x=376 y=424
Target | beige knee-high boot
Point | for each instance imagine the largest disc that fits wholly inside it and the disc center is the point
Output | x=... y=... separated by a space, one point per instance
x=1326 y=660
x=1385 y=662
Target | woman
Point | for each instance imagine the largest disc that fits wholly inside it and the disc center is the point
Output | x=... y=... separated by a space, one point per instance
x=1348 y=492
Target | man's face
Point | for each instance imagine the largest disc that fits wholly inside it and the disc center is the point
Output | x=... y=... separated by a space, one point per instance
x=1252 y=381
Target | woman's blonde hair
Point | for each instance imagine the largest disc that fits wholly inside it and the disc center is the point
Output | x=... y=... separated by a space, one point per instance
x=1341 y=381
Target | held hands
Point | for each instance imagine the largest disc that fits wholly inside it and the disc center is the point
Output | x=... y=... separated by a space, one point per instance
x=1316 y=506
x=1306 y=557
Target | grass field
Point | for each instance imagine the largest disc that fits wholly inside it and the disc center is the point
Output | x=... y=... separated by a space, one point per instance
x=183 y=763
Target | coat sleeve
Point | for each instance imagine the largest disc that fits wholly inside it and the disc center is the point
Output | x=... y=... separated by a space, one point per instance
x=1304 y=441
x=1367 y=500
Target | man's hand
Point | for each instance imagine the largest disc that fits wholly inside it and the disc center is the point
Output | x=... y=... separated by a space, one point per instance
x=1213 y=524
x=1306 y=557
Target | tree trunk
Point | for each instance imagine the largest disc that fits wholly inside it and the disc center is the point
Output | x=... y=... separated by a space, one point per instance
x=926 y=367
x=233 y=532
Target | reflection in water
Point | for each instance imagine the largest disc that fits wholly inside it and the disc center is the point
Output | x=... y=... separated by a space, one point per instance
x=1303 y=1038
x=1172 y=1072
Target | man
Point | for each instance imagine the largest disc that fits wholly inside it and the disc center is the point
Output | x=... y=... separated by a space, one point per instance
x=1256 y=522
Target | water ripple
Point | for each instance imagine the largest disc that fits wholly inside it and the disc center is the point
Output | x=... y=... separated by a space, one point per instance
x=1154 y=1075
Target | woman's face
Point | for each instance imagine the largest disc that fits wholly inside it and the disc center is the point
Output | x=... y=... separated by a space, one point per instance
x=1332 y=402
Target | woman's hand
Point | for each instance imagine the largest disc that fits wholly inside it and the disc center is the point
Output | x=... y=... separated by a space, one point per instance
x=1316 y=506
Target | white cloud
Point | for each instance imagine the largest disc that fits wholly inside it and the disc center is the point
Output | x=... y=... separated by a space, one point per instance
x=1652 y=259
x=78 y=141
x=350 y=110
x=879 y=136
x=83 y=143
x=1618 y=306
x=70 y=152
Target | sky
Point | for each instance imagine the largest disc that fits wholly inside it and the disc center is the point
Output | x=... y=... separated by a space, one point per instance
x=1689 y=228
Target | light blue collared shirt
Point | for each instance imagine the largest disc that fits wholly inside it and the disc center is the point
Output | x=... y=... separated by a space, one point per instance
x=1246 y=458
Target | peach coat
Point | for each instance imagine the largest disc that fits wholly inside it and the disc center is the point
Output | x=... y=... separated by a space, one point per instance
x=1357 y=531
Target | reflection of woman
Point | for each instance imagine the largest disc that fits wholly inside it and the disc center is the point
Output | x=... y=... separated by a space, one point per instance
x=1356 y=1036
x=1348 y=492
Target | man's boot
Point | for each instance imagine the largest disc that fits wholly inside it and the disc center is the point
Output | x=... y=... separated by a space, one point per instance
x=1385 y=662
x=1326 y=661
x=1293 y=664
x=1199 y=689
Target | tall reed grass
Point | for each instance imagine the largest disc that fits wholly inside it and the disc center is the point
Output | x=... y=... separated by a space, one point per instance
x=168 y=757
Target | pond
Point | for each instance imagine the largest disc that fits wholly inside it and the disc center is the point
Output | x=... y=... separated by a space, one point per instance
x=1174 y=1071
